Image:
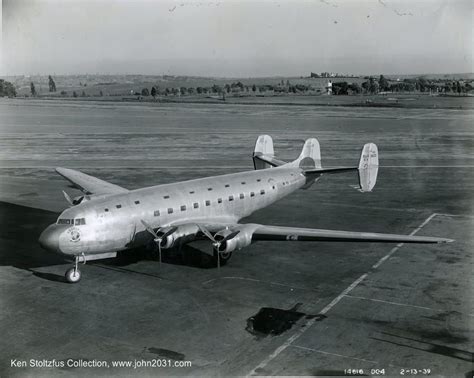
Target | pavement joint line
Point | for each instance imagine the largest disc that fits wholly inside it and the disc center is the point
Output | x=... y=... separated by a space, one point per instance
x=333 y=354
x=260 y=281
x=335 y=301
x=399 y=245
x=454 y=215
x=394 y=303
x=426 y=166
x=305 y=327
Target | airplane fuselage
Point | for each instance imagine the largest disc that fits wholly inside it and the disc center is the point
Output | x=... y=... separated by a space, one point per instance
x=113 y=223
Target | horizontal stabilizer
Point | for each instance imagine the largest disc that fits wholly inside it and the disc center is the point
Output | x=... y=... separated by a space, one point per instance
x=320 y=171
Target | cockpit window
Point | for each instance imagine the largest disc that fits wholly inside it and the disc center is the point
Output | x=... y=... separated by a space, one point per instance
x=77 y=221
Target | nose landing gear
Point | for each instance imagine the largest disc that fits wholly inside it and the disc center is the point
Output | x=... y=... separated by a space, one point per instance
x=73 y=274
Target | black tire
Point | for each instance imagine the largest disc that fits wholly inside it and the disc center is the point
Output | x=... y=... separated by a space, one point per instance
x=73 y=276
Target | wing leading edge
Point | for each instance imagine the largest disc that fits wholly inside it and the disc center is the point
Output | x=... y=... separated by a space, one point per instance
x=89 y=184
x=263 y=232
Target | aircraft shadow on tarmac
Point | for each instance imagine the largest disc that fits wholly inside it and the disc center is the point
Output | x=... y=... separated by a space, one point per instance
x=22 y=226
x=425 y=346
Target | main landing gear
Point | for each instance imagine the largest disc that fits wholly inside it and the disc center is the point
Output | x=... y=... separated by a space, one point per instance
x=73 y=274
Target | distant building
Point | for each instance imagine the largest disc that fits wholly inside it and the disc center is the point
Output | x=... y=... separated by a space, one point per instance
x=329 y=88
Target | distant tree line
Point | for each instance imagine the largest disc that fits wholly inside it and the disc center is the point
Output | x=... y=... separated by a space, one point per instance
x=7 y=89
x=221 y=90
x=372 y=85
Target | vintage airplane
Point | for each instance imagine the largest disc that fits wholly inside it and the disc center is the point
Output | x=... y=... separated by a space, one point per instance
x=109 y=218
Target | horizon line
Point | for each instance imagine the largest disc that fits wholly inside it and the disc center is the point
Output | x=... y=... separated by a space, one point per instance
x=341 y=75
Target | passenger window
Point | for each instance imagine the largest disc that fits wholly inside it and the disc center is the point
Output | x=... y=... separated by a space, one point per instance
x=183 y=208
x=137 y=202
x=106 y=210
x=241 y=195
x=219 y=200
x=208 y=203
x=209 y=189
x=258 y=180
x=195 y=205
x=243 y=182
x=262 y=192
x=166 y=197
x=273 y=187
x=252 y=194
x=156 y=213
x=227 y=185
x=231 y=198
x=170 y=210
x=118 y=206
x=191 y=192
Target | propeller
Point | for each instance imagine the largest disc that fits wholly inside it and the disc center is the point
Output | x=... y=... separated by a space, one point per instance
x=217 y=243
x=158 y=238
x=68 y=198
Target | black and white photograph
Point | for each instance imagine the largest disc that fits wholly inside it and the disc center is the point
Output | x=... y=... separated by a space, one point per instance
x=236 y=188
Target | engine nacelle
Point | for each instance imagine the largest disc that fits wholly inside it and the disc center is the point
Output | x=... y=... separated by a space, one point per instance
x=182 y=234
x=241 y=240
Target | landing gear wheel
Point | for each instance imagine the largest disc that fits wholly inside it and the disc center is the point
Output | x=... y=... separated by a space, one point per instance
x=224 y=257
x=73 y=275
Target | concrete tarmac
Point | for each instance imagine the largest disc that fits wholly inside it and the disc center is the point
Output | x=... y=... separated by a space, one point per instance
x=330 y=306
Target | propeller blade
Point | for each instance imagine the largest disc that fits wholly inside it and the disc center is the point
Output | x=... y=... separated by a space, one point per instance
x=159 y=252
x=68 y=198
x=207 y=233
x=149 y=229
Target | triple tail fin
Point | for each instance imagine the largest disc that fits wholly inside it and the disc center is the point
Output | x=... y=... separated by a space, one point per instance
x=310 y=161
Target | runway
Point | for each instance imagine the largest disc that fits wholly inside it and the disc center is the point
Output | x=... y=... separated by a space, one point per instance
x=341 y=305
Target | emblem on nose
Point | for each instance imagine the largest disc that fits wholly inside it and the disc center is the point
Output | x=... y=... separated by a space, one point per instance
x=74 y=234
x=49 y=238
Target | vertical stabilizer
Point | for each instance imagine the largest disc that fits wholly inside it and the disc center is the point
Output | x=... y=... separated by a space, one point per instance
x=263 y=150
x=368 y=167
x=310 y=156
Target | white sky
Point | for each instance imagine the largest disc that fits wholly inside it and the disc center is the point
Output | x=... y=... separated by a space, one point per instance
x=236 y=38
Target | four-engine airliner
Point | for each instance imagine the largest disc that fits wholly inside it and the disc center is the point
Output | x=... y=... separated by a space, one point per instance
x=108 y=218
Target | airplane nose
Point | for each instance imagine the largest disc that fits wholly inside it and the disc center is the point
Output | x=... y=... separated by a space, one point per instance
x=49 y=238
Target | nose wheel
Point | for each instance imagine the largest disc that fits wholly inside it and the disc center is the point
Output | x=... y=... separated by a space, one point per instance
x=73 y=274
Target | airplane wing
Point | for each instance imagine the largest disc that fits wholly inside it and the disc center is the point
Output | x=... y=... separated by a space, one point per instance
x=89 y=184
x=262 y=232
